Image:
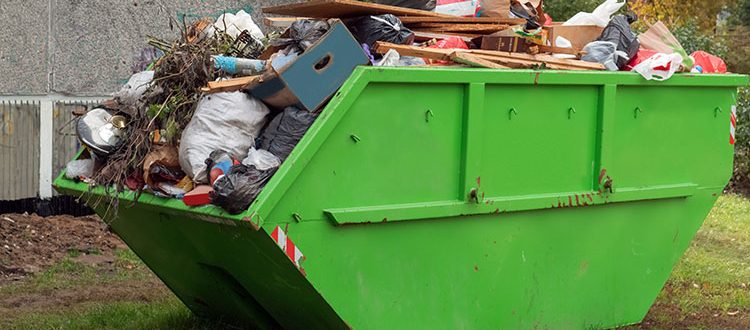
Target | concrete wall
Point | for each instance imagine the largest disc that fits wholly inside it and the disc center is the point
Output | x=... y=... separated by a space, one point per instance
x=58 y=54
x=87 y=47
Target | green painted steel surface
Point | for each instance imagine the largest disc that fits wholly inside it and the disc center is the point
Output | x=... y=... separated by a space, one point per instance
x=460 y=198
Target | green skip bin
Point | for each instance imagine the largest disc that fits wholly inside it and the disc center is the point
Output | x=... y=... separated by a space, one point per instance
x=426 y=198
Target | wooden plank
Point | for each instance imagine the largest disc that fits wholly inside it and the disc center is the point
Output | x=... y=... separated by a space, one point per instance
x=520 y=63
x=423 y=52
x=474 y=60
x=281 y=22
x=422 y=35
x=560 y=50
x=460 y=27
x=514 y=60
x=343 y=9
x=465 y=20
x=229 y=85
x=540 y=57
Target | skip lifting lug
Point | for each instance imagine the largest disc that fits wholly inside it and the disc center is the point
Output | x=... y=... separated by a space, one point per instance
x=512 y=112
x=473 y=195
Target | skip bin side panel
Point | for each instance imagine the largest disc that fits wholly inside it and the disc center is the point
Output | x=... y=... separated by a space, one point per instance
x=595 y=267
x=406 y=143
x=538 y=140
x=668 y=135
x=224 y=270
x=415 y=273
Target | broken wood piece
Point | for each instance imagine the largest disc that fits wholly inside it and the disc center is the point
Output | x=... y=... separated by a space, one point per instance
x=229 y=85
x=561 y=50
x=423 y=52
x=281 y=22
x=540 y=58
x=476 y=28
x=474 y=60
x=407 y=20
x=344 y=9
x=421 y=36
x=526 y=64
x=513 y=60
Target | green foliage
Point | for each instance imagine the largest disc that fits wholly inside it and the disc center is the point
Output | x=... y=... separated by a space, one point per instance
x=562 y=10
x=692 y=39
x=741 y=179
x=740 y=13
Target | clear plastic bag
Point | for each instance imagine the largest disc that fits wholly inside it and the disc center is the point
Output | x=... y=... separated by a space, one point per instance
x=79 y=168
x=261 y=159
x=603 y=52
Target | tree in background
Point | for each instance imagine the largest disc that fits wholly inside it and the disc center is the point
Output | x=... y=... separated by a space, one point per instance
x=674 y=13
x=720 y=27
x=561 y=10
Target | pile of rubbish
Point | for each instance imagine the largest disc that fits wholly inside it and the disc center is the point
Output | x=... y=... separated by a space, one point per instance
x=502 y=34
x=209 y=118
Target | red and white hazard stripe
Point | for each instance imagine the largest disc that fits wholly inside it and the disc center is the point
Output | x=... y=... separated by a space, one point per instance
x=286 y=245
x=733 y=125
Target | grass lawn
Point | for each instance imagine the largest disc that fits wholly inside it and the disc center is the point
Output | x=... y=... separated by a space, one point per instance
x=709 y=288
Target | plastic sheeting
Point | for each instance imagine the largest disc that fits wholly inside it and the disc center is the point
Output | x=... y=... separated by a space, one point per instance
x=236 y=189
x=302 y=35
x=369 y=29
x=225 y=121
x=285 y=131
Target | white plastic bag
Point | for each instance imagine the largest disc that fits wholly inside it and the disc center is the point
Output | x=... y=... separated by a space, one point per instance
x=600 y=16
x=659 y=67
x=234 y=24
x=225 y=121
x=261 y=159
x=561 y=42
x=134 y=89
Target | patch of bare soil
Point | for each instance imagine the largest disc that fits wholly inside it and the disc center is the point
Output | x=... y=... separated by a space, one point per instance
x=30 y=243
x=671 y=317
x=666 y=315
x=146 y=290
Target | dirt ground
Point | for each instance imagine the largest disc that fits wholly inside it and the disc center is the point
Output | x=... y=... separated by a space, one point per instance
x=68 y=263
x=31 y=243
x=64 y=263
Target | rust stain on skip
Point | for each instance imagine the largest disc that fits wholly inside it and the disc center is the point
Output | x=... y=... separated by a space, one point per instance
x=602 y=174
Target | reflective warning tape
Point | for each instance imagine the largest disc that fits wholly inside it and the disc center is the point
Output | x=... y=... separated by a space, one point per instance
x=733 y=125
x=286 y=245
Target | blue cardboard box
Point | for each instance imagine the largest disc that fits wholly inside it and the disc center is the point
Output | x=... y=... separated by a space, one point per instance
x=310 y=79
